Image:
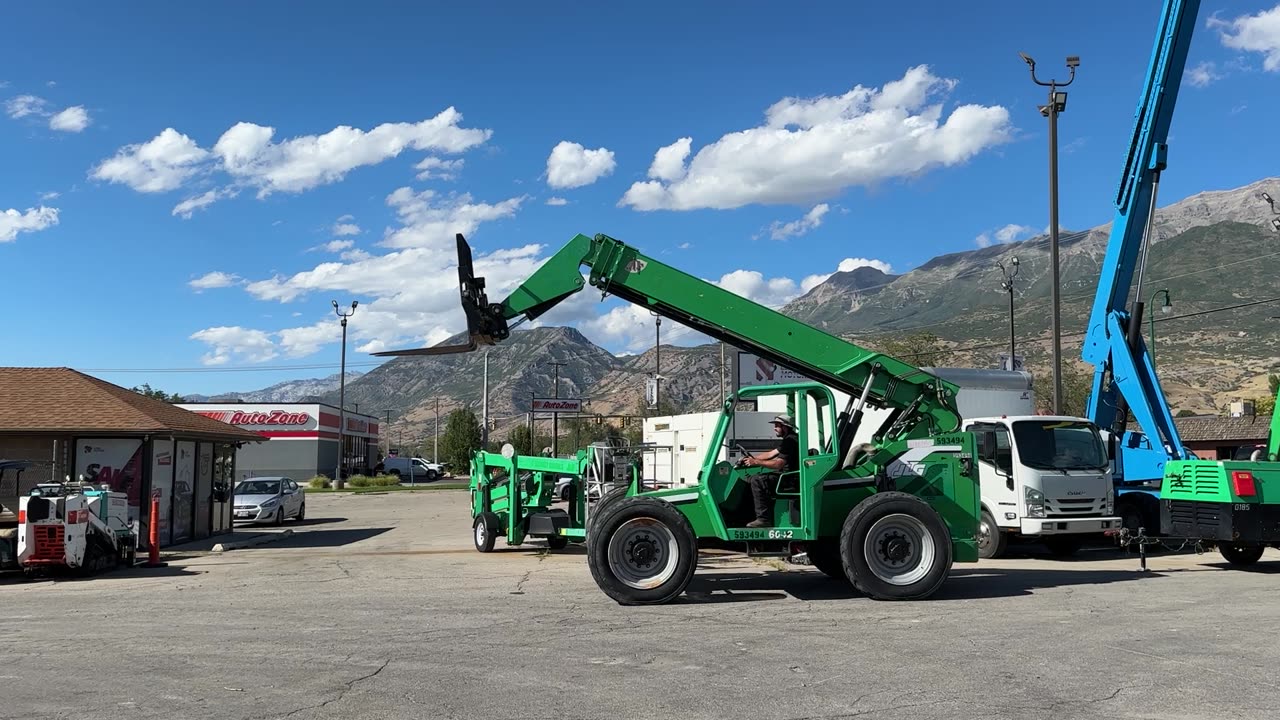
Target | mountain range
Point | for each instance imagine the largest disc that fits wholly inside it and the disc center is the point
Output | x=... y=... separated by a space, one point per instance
x=1210 y=251
x=306 y=390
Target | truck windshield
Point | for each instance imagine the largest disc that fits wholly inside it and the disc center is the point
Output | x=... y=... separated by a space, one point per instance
x=1058 y=445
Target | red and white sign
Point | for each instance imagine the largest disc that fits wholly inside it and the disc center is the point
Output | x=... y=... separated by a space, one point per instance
x=557 y=405
x=274 y=417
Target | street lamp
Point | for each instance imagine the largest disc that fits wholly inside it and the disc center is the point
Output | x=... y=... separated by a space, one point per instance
x=1056 y=105
x=1007 y=285
x=342 y=391
x=1165 y=309
x=1275 y=222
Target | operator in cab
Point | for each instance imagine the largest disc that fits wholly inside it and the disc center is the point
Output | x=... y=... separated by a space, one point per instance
x=786 y=458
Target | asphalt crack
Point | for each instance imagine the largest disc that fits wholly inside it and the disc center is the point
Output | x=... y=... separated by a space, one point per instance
x=349 y=686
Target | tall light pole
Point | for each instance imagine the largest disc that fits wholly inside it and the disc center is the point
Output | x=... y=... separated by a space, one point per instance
x=1007 y=285
x=657 y=362
x=1275 y=222
x=555 y=416
x=484 y=406
x=435 y=446
x=1057 y=104
x=1166 y=308
x=342 y=392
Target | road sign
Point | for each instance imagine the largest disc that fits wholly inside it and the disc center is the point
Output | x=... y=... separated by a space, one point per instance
x=557 y=405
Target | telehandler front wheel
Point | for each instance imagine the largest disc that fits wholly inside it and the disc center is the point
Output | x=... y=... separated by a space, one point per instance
x=485 y=531
x=895 y=547
x=642 y=551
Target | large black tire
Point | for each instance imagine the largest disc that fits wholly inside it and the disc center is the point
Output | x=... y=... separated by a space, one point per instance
x=642 y=551
x=484 y=531
x=825 y=556
x=894 y=546
x=1241 y=555
x=557 y=542
x=991 y=541
x=603 y=504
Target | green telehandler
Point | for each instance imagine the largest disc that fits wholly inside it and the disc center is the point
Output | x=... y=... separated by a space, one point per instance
x=889 y=516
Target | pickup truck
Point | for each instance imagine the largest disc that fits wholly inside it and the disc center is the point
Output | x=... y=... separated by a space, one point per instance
x=413 y=468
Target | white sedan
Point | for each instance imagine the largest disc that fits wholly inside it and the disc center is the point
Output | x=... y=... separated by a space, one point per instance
x=269 y=499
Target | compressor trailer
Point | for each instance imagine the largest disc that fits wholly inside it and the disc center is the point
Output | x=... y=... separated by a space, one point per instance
x=889 y=516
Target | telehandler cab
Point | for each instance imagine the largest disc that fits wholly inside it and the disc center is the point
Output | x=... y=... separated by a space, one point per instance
x=889 y=516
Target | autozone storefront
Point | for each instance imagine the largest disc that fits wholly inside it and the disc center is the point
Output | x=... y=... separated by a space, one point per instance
x=302 y=438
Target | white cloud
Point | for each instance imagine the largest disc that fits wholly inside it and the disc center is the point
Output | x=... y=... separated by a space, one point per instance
x=668 y=162
x=158 y=165
x=51 y=195
x=684 y=246
x=846 y=265
x=1007 y=234
x=344 y=229
x=811 y=149
x=187 y=207
x=73 y=119
x=796 y=228
x=1203 y=74
x=248 y=154
x=337 y=245
x=227 y=343
x=438 y=168
x=1253 y=33
x=557 y=201
x=24 y=105
x=571 y=165
x=215 y=279
x=429 y=219
x=13 y=222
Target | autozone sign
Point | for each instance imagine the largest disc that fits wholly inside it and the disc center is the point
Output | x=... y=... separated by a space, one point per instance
x=275 y=417
x=557 y=405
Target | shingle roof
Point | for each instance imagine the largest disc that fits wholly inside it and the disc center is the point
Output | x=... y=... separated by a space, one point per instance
x=62 y=400
x=1227 y=429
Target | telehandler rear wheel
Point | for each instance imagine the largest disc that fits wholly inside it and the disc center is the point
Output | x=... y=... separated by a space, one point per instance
x=642 y=551
x=895 y=547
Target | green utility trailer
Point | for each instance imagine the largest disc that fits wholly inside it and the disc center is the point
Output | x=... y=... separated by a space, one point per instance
x=513 y=495
x=889 y=516
x=1233 y=504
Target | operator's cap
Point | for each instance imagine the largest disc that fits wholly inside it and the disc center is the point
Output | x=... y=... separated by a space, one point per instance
x=784 y=421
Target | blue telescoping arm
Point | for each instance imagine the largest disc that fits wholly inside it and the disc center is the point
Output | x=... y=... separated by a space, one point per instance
x=1124 y=378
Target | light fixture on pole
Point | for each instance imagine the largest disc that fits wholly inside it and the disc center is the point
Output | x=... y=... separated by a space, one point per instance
x=1007 y=285
x=1056 y=105
x=657 y=361
x=1165 y=309
x=342 y=392
x=1275 y=222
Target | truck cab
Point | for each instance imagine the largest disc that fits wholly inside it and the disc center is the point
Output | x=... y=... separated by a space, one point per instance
x=1042 y=476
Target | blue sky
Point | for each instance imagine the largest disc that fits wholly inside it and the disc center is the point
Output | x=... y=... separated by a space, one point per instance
x=189 y=186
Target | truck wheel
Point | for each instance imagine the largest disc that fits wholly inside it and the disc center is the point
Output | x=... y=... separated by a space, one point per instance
x=895 y=547
x=1241 y=555
x=485 y=531
x=642 y=551
x=607 y=500
x=991 y=541
x=557 y=542
x=432 y=475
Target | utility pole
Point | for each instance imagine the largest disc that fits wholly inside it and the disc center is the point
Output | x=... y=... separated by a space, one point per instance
x=342 y=393
x=722 y=374
x=555 y=416
x=657 y=362
x=1007 y=285
x=1056 y=105
x=435 y=452
x=484 y=406
x=386 y=430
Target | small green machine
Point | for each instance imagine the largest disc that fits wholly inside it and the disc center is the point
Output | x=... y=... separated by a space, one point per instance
x=514 y=495
x=1233 y=504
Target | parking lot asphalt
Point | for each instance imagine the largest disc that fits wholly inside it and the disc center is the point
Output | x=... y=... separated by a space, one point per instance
x=378 y=606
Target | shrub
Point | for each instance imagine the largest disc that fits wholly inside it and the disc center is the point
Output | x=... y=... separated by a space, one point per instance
x=320 y=482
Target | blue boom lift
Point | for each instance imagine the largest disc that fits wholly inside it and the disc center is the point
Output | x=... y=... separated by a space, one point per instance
x=1124 y=379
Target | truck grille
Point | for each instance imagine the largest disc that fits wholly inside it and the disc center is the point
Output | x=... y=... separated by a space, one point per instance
x=1196 y=517
x=1073 y=507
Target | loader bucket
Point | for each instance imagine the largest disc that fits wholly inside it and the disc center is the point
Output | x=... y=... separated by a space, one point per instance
x=485 y=324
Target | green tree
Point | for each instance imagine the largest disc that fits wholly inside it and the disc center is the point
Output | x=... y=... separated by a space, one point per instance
x=520 y=439
x=919 y=349
x=1077 y=383
x=1264 y=405
x=460 y=440
x=1273 y=382
x=150 y=392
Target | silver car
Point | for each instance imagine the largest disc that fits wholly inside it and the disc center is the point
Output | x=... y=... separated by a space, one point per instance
x=269 y=499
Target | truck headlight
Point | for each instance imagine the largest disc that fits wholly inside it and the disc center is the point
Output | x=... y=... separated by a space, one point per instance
x=1035 y=503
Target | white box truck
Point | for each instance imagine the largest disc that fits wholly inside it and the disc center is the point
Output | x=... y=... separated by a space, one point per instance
x=1041 y=476
x=680 y=442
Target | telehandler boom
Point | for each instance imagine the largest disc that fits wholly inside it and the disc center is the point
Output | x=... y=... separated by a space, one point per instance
x=889 y=516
